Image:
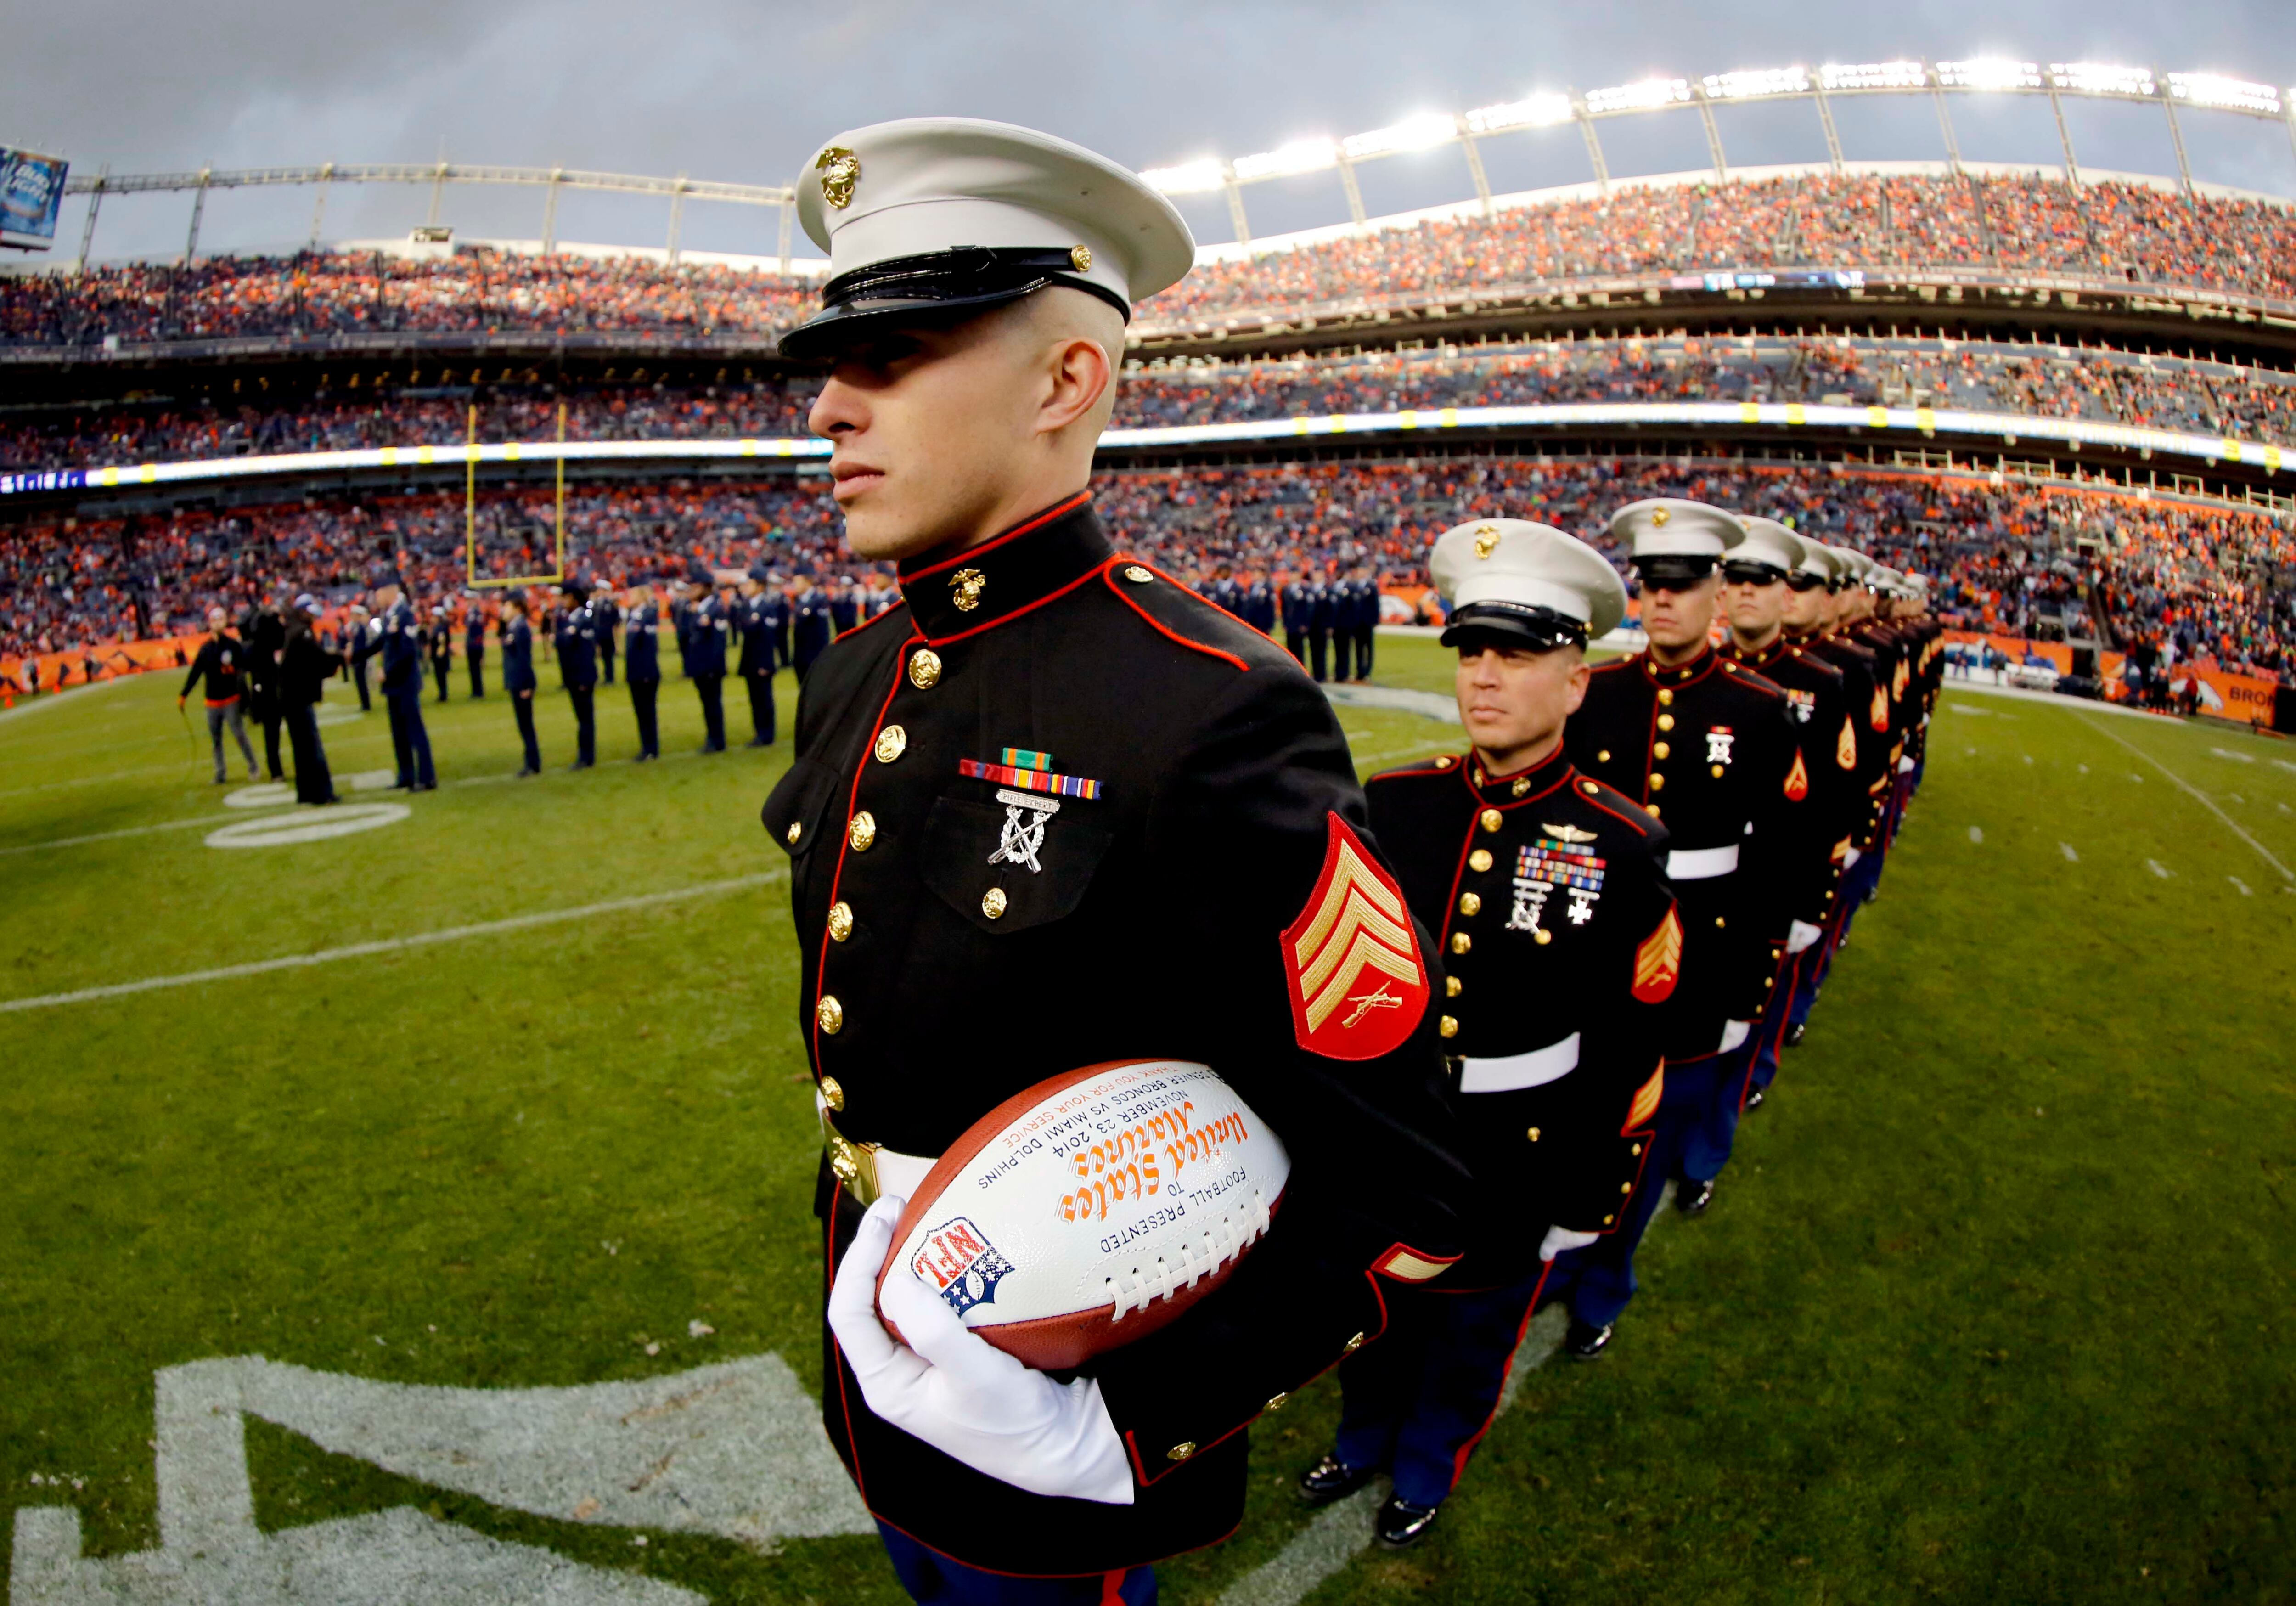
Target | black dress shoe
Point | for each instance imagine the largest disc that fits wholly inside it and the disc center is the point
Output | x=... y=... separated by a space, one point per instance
x=1331 y=1478
x=1754 y=1097
x=581 y=764
x=1794 y=1034
x=758 y=742
x=1691 y=1198
x=424 y=786
x=1585 y=1341
x=525 y=770
x=1400 y=1523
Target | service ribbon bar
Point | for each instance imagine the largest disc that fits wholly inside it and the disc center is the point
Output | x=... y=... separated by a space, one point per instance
x=1021 y=757
x=1031 y=780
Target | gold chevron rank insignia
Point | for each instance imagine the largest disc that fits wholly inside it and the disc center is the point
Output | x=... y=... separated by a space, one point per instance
x=1359 y=988
x=1845 y=746
x=1658 y=961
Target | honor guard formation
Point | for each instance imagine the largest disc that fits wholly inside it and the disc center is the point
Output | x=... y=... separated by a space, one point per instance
x=1540 y=979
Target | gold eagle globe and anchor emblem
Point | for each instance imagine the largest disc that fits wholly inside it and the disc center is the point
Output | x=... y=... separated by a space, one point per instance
x=839 y=170
x=967 y=584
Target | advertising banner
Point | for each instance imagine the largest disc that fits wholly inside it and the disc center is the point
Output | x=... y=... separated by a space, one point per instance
x=31 y=195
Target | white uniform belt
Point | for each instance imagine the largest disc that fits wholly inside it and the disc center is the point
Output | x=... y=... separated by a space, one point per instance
x=1700 y=863
x=1509 y=1072
x=901 y=1174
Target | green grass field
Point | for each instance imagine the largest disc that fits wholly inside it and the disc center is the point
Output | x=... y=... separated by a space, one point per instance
x=1994 y=1303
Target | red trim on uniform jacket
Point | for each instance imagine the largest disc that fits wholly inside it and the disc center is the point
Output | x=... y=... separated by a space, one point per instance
x=1144 y=1477
x=1108 y=573
x=844 y=845
x=971 y=553
x=1529 y=1309
x=1006 y=619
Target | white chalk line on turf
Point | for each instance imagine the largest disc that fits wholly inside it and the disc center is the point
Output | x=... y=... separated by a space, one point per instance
x=393 y=944
x=2198 y=797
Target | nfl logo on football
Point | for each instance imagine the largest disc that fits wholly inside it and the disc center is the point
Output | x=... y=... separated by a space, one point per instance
x=959 y=1261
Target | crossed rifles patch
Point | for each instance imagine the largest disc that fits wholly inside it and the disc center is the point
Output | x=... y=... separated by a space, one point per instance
x=1359 y=988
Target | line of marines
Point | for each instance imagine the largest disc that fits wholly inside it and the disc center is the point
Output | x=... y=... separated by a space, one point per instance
x=1494 y=1002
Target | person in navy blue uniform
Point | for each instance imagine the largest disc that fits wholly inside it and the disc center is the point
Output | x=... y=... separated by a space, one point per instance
x=514 y=629
x=1300 y=605
x=844 y=603
x=1547 y=894
x=1757 y=578
x=397 y=635
x=1709 y=746
x=809 y=626
x=1256 y=604
x=760 y=620
x=305 y=667
x=474 y=645
x=643 y=625
x=354 y=663
x=1208 y=813
x=1366 y=589
x=1221 y=590
x=708 y=624
x=576 y=641
x=605 y=617
x=1322 y=609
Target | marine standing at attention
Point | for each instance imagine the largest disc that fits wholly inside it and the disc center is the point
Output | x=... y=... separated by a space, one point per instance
x=1548 y=893
x=576 y=641
x=1706 y=746
x=641 y=628
x=707 y=626
x=1055 y=795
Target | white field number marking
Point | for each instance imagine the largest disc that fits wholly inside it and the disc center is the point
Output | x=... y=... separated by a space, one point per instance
x=277 y=830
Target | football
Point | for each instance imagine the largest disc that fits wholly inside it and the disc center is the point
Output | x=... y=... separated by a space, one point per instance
x=1093 y=1208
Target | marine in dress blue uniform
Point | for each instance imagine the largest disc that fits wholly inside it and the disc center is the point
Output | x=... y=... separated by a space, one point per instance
x=576 y=641
x=1547 y=893
x=1707 y=747
x=760 y=620
x=708 y=624
x=397 y=636
x=643 y=628
x=1756 y=577
x=1207 y=799
x=517 y=637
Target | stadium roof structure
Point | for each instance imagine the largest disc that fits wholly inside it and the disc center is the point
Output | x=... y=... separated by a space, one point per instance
x=2172 y=91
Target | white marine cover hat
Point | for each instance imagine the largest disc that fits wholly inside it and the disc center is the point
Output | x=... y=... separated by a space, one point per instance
x=1675 y=537
x=1770 y=542
x=1512 y=577
x=939 y=214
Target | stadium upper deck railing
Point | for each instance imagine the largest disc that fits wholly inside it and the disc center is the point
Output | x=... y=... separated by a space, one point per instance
x=2056 y=82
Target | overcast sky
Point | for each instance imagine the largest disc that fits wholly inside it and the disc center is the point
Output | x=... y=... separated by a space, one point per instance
x=746 y=89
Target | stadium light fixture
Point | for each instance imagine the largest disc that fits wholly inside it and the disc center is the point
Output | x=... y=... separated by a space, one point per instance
x=1649 y=96
x=1301 y=156
x=2094 y=78
x=1755 y=85
x=1189 y=179
x=1873 y=75
x=1989 y=72
x=1412 y=134
x=1534 y=112
x=2212 y=89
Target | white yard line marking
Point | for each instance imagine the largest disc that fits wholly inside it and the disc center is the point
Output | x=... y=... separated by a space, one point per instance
x=109 y=836
x=2283 y=763
x=2226 y=752
x=392 y=944
x=308 y=826
x=1976 y=833
x=2157 y=868
x=2229 y=822
x=1965 y=707
x=2243 y=885
x=2067 y=850
x=2235 y=797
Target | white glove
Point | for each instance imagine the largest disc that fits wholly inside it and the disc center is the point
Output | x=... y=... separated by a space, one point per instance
x=1850 y=857
x=1734 y=1033
x=961 y=1395
x=1905 y=767
x=1559 y=1239
x=1801 y=934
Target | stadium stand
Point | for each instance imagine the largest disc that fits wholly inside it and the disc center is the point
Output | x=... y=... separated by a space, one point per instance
x=2084 y=382
x=2018 y=562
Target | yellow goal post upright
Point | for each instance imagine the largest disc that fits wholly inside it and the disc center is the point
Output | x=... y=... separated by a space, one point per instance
x=471 y=517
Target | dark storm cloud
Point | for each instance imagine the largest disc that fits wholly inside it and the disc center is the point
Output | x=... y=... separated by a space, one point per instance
x=726 y=89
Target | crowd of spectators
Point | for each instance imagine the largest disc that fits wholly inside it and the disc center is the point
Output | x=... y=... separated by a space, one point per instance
x=2061 y=381
x=2216 y=583
x=2121 y=230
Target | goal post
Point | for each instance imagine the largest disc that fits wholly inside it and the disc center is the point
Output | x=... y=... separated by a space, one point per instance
x=474 y=579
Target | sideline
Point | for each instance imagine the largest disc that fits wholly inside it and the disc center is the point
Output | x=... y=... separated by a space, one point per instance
x=392 y=944
x=2072 y=705
x=2200 y=798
